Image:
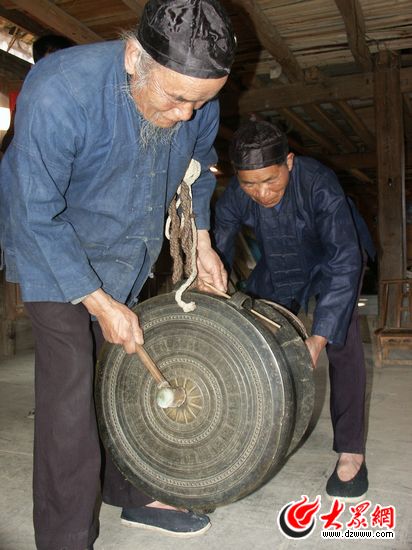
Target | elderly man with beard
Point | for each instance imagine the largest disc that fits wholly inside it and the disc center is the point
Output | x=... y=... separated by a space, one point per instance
x=104 y=134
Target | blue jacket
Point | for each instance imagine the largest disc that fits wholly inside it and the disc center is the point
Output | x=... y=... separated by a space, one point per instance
x=309 y=246
x=82 y=205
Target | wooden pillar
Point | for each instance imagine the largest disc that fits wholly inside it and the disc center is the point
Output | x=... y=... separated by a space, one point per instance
x=15 y=327
x=7 y=325
x=391 y=167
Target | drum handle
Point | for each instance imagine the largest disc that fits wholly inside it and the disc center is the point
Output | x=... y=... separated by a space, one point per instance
x=150 y=365
x=256 y=313
x=166 y=396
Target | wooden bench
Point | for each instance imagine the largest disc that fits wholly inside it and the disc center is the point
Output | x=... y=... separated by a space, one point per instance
x=395 y=322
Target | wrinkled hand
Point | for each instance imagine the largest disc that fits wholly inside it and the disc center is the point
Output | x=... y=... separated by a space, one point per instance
x=315 y=345
x=209 y=266
x=118 y=323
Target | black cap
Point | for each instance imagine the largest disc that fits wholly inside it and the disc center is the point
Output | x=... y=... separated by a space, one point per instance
x=257 y=145
x=192 y=37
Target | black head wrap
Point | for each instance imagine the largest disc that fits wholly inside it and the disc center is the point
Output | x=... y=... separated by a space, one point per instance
x=192 y=37
x=257 y=145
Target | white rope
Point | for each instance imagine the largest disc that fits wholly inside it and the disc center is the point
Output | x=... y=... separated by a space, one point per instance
x=191 y=175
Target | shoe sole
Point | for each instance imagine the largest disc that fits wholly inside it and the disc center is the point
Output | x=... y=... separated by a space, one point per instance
x=135 y=524
x=348 y=500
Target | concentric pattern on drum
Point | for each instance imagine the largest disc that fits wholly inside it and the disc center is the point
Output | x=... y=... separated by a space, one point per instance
x=194 y=403
x=170 y=423
x=235 y=425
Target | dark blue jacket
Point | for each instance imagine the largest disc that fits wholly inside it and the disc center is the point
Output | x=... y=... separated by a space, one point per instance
x=82 y=204
x=309 y=246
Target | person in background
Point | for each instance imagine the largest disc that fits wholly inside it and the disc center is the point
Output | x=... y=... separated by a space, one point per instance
x=312 y=243
x=45 y=45
x=104 y=135
x=42 y=47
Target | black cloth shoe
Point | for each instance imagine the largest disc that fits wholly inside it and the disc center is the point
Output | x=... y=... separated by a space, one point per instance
x=170 y=522
x=353 y=490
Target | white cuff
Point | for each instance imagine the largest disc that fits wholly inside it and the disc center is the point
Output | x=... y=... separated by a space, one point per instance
x=78 y=300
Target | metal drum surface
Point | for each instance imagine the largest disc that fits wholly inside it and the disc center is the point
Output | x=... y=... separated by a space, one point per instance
x=249 y=399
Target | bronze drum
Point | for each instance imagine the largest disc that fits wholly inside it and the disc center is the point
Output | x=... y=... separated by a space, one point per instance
x=249 y=398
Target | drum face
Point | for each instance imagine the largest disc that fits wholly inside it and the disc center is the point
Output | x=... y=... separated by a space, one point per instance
x=238 y=420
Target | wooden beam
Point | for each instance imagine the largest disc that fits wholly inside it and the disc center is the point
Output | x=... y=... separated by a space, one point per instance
x=351 y=160
x=317 y=114
x=272 y=41
x=136 y=6
x=355 y=160
x=363 y=160
x=251 y=81
x=306 y=129
x=21 y=20
x=58 y=20
x=391 y=169
x=292 y=95
x=407 y=104
x=359 y=175
x=328 y=160
x=351 y=12
x=323 y=141
x=357 y=124
x=12 y=67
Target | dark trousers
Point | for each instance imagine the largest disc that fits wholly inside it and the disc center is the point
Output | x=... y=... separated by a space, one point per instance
x=347 y=376
x=67 y=452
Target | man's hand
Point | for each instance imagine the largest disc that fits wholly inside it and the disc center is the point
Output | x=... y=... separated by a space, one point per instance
x=315 y=345
x=118 y=323
x=209 y=266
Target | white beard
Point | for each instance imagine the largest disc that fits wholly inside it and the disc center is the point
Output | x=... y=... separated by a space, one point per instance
x=152 y=135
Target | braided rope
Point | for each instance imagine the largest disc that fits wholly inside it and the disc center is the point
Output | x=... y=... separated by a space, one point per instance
x=182 y=234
